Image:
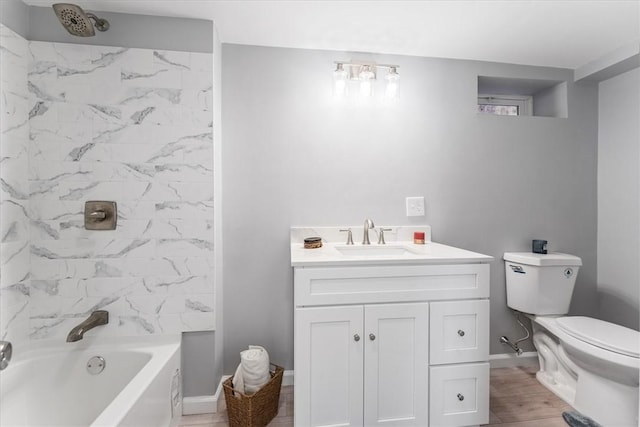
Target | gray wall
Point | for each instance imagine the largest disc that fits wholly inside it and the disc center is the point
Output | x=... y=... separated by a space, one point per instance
x=491 y=184
x=15 y=15
x=127 y=30
x=551 y=102
x=198 y=376
x=619 y=199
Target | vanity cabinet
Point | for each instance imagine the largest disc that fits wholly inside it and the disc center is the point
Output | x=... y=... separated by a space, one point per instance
x=395 y=345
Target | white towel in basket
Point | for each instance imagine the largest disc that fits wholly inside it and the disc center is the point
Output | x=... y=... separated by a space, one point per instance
x=253 y=371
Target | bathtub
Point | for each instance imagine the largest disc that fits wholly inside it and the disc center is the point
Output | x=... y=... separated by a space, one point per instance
x=49 y=383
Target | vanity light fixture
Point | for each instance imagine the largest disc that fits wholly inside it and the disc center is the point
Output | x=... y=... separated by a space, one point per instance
x=393 y=81
x=365 y=74
x=366 y=81
x=340 y=78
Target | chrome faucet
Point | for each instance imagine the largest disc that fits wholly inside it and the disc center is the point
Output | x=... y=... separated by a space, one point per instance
x=97 y=318
x=368 y=225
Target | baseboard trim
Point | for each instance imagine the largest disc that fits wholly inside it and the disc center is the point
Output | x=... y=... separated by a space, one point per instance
x=511 y=360
x=208 y=404
x=195 y=405
x=287 y=378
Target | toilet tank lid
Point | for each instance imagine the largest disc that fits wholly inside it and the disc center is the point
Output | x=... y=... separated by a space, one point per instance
x=543 y=260
x=602 y=334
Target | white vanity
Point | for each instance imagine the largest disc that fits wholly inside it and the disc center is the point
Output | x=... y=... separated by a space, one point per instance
x=394 y=334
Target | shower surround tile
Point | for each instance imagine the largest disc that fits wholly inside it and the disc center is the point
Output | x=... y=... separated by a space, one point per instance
x=106 y=123
x=14 y=187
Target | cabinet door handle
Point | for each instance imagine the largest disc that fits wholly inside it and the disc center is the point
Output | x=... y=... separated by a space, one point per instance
x=460 y=332
x=356 y=337
x=460 y=397
x=372 y=337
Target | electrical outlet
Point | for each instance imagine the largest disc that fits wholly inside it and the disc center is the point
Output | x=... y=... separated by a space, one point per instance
x=415 y=206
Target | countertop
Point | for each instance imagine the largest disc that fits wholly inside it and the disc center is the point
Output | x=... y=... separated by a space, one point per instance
x=429 y=253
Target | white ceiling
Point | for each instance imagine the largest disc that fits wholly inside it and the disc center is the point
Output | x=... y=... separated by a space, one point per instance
x=567 y=33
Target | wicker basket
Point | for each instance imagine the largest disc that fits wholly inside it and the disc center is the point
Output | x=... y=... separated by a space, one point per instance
x=258 y=409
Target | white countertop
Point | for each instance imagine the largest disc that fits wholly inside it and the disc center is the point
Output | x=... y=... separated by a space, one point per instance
x=429 y=253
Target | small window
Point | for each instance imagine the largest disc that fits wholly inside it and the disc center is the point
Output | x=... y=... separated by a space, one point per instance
x=504 y=106
x=508 y=96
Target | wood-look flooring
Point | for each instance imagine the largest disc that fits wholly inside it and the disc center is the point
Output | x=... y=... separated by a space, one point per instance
x=517 y=399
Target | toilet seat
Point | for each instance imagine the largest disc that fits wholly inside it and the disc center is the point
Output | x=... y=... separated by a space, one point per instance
x=599 y=333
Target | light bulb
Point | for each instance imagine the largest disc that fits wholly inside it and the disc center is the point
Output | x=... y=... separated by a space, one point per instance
x=393 y=83
x=340 y=77
x=366 y=81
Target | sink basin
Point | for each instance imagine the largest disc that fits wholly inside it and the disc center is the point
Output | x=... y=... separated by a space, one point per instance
x=373 y=250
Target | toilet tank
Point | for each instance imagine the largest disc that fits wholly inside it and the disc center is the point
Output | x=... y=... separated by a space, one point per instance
x=540 y=284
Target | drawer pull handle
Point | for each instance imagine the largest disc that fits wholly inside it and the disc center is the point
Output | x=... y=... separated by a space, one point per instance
x=460 y=332
x=356 y=337
x=372 y=337
x=460 y=397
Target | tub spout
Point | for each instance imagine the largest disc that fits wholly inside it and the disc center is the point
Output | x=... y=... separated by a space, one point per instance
x=5 y=354
x=97 y=318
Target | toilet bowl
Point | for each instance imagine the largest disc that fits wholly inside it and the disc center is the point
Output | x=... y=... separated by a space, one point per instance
x=591 y=364
x=598 y=374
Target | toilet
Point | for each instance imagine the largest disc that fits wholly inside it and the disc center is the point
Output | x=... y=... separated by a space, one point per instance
x=591 y=364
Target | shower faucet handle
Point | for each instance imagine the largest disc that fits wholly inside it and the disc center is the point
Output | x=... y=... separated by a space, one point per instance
x=98 y=215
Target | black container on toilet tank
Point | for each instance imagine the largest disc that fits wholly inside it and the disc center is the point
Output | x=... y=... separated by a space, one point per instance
x=539 y=246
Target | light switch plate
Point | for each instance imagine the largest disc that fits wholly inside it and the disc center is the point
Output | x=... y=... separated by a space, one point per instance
x=415 y=206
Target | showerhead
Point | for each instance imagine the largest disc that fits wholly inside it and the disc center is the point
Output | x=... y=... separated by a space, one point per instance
x=77 y=22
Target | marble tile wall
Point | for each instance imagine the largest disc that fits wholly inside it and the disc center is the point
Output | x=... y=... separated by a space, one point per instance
x=14 y=189
x=133 y=126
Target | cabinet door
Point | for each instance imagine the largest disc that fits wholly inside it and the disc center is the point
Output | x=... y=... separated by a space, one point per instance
x=328 y=366
x=396 y=365
x=459 y=331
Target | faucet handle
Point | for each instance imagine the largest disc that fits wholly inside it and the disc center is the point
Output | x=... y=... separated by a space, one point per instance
x=349 y=236
x=381 y=236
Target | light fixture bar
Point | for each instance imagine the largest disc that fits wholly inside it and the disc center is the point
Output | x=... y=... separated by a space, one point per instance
x=362 y=63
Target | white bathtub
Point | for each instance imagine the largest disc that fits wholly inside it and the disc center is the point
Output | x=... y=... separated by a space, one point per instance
x=49 y=385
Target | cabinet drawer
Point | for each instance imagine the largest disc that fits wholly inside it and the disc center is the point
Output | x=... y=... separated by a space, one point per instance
x=459 y=395
x=378 y=284
x=459 y=331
